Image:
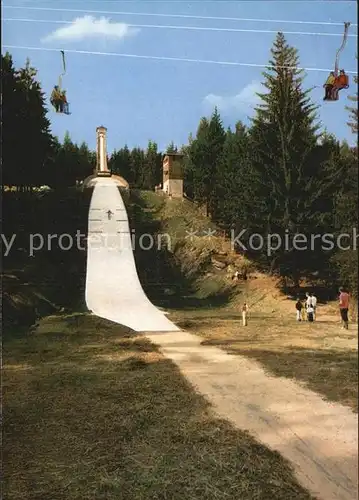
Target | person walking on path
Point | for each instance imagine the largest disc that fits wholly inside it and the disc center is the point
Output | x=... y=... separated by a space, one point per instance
x=344 y=307
x=244 y=314
x=313 y=302
x=306 y=304
x=304 y=312
x=299 y=307
x=310 y=313
x=304 y=316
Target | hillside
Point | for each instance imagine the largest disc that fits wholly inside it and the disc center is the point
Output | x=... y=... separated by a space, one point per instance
x=190 y=265
x=207 y=302
x=197 y=269
x=184 y=268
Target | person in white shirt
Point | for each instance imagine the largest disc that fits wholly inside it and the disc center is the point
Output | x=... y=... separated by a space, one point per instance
x=245 y=309
x=313 y=302
x=310 y=313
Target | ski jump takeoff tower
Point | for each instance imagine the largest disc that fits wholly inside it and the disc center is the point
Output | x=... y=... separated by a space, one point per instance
x=101 y=169
x=101 y=164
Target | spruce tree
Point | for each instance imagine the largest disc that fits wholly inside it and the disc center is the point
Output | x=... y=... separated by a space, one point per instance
x=192 y=158
x=87 y=161
x=171 y=148
x=138 y=167
x=153 y=166
x=26 y=141
x=229 y=185
x=120 y=163
x=284 y=181
x=346 y=209
x=36 y=138
x=11 y=146
x=205 y=153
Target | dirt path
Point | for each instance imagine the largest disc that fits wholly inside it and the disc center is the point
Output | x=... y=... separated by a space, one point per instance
x=319 y=438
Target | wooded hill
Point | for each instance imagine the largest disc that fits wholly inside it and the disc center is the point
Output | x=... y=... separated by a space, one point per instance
x=279 y=175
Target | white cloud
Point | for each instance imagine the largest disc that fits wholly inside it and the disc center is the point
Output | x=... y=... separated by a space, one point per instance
x=243 y=101
x=90 y=27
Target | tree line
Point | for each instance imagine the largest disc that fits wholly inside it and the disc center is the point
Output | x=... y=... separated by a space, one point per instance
x=33 y=157
x=275 y=178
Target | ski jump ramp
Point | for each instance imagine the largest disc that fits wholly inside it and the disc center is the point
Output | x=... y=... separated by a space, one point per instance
x=113 y=290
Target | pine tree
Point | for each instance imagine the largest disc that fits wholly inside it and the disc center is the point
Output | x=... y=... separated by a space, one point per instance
x=284 y=181
x=69 y=163
x=205 y=153
x=171 y=148
x=153 y=166
x=138 y=167
x=11 y=150
x=346 y=210
x=36 y=139
x=27 y=141
x=192 y=158
x=229 y=183
x=120 y=163
x=87 y=161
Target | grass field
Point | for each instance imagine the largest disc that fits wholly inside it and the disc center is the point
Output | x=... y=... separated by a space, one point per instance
x=319 y=355
x=93 y=411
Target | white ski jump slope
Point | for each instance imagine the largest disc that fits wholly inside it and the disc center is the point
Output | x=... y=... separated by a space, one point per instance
x=113 y=290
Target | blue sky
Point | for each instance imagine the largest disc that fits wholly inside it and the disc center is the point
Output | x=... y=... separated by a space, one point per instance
x=139 y=99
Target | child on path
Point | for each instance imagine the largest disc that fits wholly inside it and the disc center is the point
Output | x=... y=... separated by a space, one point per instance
x=310 y=313
x=244 y=314
x=299 y=307
x=304 y=315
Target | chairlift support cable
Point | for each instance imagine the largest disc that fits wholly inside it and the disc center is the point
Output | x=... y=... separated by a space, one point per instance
x=188 y=28
x=345 y=37
x=179 y=16
x=166 y=58
x=64 y=68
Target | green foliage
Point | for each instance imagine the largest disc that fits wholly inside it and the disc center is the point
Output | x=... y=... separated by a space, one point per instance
x=26 y=138
x=69 y=163
x=353 y=111
x=142 y=169
x=152 y=174
x=346 y=221
x=138 y=166
x=229 y=185
x=346 y=208
x=31 y=156
x=276 y=176
x=286 y=179
x=171 y=148
x=204 y=160
x=120 y=164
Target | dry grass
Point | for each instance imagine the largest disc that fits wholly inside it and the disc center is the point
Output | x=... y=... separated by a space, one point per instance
x=93 y=411
x=194 y=251
x=319 y=355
